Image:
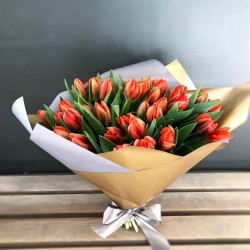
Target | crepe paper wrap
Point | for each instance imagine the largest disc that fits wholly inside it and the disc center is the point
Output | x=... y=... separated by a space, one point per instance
x=133 y=176
x=114 y=218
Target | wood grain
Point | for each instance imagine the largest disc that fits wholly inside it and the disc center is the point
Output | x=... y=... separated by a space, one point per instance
x=86 y=204
x=198 y=181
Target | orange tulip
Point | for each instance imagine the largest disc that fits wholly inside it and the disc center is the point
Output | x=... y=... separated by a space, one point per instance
x=41 y=114
x=61 y=131
x=182 y=103
x=142 y=108
x=136 y=128
x=215 y=108
x=161 y=84
x=167 y=138
x=102 y=112
x=153 y=95
x=121 y=146
x=124 y=120
x=176 y=93
x=72 y=119
x=202 y=96
x=146 y=142
x=63 y=105
x=114 y=134
x=162 y=102
x=80 y=140
x=203 y=118
x=105 y=88
x=206 y=127
x=220 y=134
x=135 y=89
x=57 y=115
x=80 y=87
x=153 y=112
x=94 y=87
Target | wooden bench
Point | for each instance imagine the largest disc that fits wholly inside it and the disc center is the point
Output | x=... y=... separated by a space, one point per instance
x=206 y=211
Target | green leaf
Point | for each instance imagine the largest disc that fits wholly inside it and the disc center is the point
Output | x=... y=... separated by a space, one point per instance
x=193 y=98
x=63 y=124
x=106 y=99
x=174 y=109
x=85 y=127
x=203 y=107
x=93 y=143
x=99 y=77
x=89 y=93
x=151 y=128
x=96 y=125
x=196 y=143
x=81 y=100
x=48 y=119
x=126 y=107
x=50 y=113
x=185 y=132
x=178 y=117
x=215 y=115
x=106 y=144
x=68 y=89
x=184 y=150
x=117 y=99
x=122 y=82
x=75 y=93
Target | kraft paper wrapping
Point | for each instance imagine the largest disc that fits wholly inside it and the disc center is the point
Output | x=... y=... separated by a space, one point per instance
x=154 y=170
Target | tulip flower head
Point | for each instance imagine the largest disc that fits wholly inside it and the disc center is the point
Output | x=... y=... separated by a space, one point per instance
x=80 y=87
x=162 y=102
x=102 y=112
x=177 y=94
x=206 y=127
x=202 y=96
x=161 y=84
x=106 y=86
x=58 y=115
x=220 y=134
x=146 y=142
x=63 y=105
x=42 y=114
x=115 y=135
x=153 y=95
x=94 y=87
x=154 y=112
x=72 y=119
x=167 y=138
x=136 y=128
x=215 y=108
x=201 y=118
x=142 y=109
x=121 y=146
x=124 y=121
x=80 y=140
x=62 y=132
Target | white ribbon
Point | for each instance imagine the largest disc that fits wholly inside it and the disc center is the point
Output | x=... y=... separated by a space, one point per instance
x=114 y=218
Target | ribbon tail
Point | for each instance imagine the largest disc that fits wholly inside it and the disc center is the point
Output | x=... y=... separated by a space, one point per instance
x=155 y=239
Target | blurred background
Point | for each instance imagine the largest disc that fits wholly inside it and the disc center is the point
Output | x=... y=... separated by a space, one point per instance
x=44 y=41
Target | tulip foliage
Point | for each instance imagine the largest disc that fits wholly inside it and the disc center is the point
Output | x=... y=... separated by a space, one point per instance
x=106 y=115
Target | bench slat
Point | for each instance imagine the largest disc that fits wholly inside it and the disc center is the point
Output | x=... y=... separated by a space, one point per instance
x=198 y=181
x=176 y=202
x=76 y=231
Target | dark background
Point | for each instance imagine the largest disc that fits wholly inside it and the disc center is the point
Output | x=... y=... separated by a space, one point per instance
x=42 y=42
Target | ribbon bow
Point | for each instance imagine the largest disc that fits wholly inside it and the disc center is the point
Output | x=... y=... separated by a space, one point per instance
x=114 y=218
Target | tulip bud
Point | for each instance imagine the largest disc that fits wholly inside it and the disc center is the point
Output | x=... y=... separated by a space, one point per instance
x=176 y=92
x=142 y=108
x=80 y=140
x=146 y=142
x=41 y=114
x=121 y=146
x=64 y=105
x=80 y=87
x=135 y=89
x=124 y=120
x=61 y=131
x=206 y=127
x=94 y=87
x=57 y=115
x=167 y=138
x=220 y=134
x=161 y=84
x=72 y=119
x=162 y=102
x=203 y=118
x=136 y=128
x=105 y=88
x=153 y=95
x=215 y=108
x=202 y=96
x=102 y=112
x=114 y=134
x=182 y=103
x=154 y=112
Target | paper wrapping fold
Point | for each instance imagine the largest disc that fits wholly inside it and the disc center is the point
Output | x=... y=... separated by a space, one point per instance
x=153 y=170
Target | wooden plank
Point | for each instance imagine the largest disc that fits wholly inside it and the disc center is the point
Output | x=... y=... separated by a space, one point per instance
x=85 y=204
x=198 y=181
x=77 y=232
x=173 y=247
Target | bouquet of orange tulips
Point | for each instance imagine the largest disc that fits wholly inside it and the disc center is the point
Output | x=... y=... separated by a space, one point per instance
x=106 y=115
x=132 y=138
